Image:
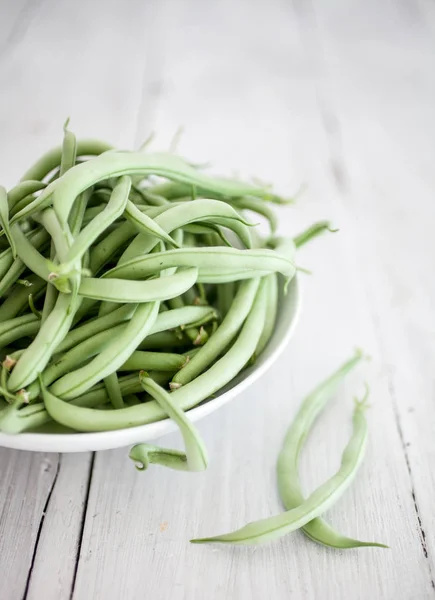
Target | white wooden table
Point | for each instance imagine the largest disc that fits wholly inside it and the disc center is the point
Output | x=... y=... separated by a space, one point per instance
x=340 y=96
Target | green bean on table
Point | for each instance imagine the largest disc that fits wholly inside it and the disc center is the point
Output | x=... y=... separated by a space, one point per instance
x=318 y=502
x=287 y=466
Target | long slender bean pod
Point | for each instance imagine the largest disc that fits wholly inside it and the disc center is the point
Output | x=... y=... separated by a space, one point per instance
x=63 y=192
x=317 y=503
x=206 y=258
x=225 y=333
x=158 y=361
x=114 y=390
x=287 y=466
x=18 y=297
x=196 y=458
x=4 y=219
x=120 y=290
x=52 y=159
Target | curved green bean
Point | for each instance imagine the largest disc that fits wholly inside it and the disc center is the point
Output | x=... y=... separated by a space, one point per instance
x=121 y=290
x=23 y=190
x=114 y=390
x=69 y=150
x=287 y=466
x=25 y=326
x=52 y=159
x=112 y=164
x=217 y=257
x=17 y=299
x=269 y=325
x=317 y=503
x=4 y=220
x=153 y=361
x=177 y=216
x=114 y=208
x=312 y=232
x=145 y=224
x=225 y=333
x=196 y=458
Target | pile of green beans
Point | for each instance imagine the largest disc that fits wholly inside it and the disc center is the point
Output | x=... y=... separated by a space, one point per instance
x=116 y=263
x=134 y=286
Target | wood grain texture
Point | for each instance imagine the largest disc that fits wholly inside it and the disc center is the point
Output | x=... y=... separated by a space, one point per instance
x=60 y=536
x=338 y=95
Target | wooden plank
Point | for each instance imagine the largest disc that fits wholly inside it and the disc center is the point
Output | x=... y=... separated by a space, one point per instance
x=389 y=150
x=27 y=482
x=60 y=537
x=250 y=97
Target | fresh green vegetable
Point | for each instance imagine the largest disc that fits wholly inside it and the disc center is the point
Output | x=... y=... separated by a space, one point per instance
x=105 y=274
x=317 y=503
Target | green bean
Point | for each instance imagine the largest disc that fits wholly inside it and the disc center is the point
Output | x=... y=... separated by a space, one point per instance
x=269 y=325
x=69 y=150
x=92 y=212
x=78 y=211
x=6 y=261
x=196 y=458
x=114 y=390
x=257 y=206
x=104 y=250
x=153 y=199
x=225 y=333
x=52 y=159
x=51 y=292
x=112 y=357
x=35 y=311
x=223 y=371
x=10 y=324
x=287 y=467
x=205 y=229
x=146 y=454
x=115 y=207
x=204 y=259
x=158 y=361
x=146 y=224
x=312 y=232
x=177 y=216
x=121 y=290
x=51 y=332
x=192 y=333
x=27 y=249
x=80 y=177
x=173 y=190
x=164 y=340
x=14 y=329
x=11 y=276
x=18 y=298
x=317 y=503
x=4 y=220
x=39 y=352
x=225 y=296
x=23 y=190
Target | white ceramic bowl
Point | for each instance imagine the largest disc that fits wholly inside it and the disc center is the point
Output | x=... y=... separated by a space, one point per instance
x=288 y=314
